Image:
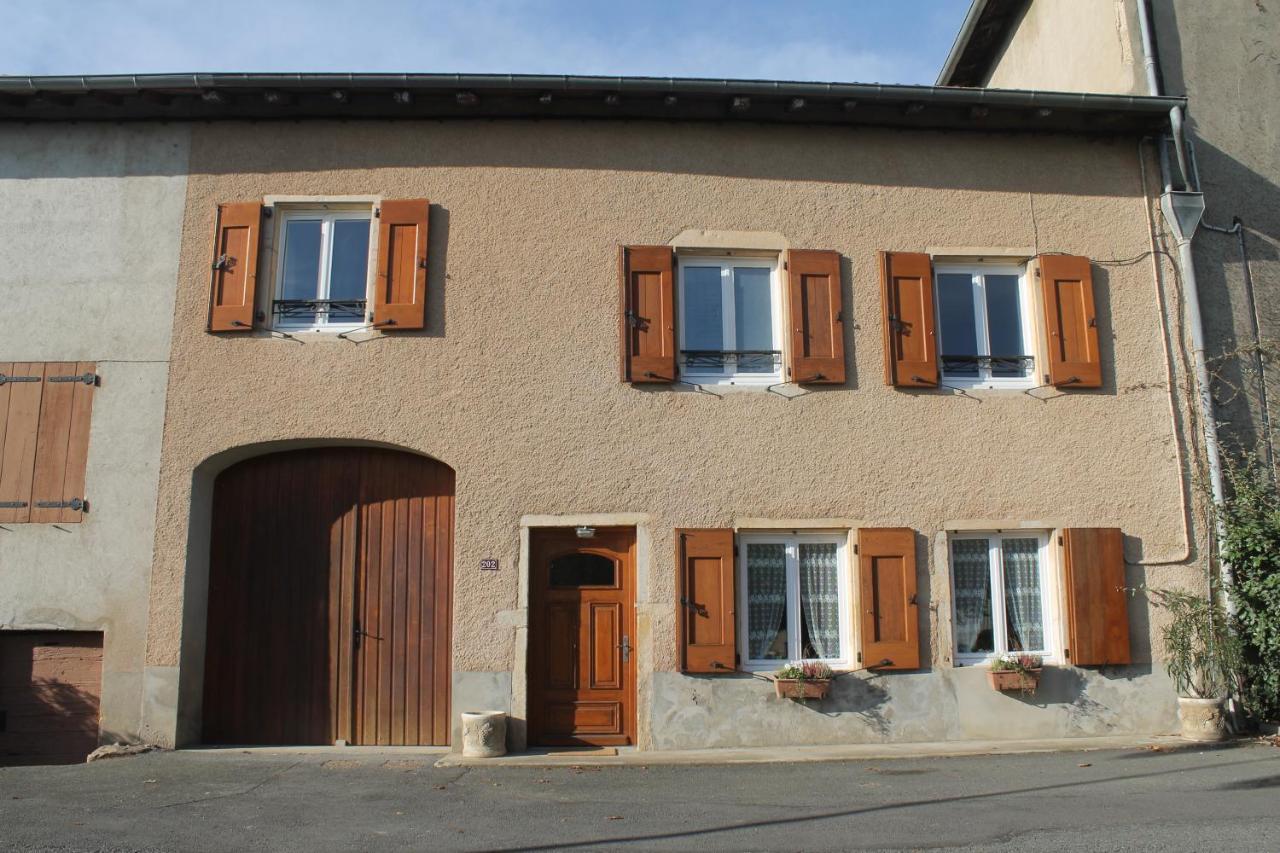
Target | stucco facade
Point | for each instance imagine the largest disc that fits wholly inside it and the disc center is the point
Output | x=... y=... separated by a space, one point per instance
x=514 y=384
x=90 y=222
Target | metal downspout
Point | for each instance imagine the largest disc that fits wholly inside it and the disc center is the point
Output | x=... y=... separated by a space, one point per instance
x=1191 y=298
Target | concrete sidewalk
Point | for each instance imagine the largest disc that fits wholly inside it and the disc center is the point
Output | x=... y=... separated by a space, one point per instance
x=563 y=757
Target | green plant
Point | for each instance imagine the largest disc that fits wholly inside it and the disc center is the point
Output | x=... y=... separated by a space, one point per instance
x=1016 y=662
x=1250 y=524
x=1202 y=653
x=804 y=671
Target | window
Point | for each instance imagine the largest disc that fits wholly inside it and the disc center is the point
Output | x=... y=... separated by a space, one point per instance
x=730 y=314
x=322 y=269
x=1002 y=598
x=793 y=600
x=984 y=326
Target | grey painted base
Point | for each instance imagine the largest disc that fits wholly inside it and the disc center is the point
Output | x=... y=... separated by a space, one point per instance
x=692 y=712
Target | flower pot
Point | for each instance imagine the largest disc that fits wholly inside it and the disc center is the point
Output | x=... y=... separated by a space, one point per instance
x=484 y=734
x=1203 y=720
x=1006 y=680
x=808 y=688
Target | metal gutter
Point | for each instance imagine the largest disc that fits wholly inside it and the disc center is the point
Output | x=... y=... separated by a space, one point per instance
x=274 y=95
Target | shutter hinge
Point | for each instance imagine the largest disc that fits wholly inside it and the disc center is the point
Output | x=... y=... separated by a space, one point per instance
x=1059 y=540
x=377 y=213
x=12 y=504
x=633 y=319
x=1066 y=653
x=222 y=262
x=75 y=503
x=855 y=547
x=4 y=379
x=859 y=657
x=86 y=378
x=688 y=603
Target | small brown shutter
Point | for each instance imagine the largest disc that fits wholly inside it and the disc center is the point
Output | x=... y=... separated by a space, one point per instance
x=400 y=294
x=1097 y=605
x=890 y=617
x=235 y=267
x=62 y=444
x=1070 y=322
x=817 y=338
x=705 y=613
x=648 y=313
x=20 y=404
x=910 y=346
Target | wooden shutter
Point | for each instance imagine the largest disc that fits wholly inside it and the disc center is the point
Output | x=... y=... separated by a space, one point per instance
x=910 y=345
x=235 y=267
x=1071 y=324
x=648 y=313
x=705 y=614
x=890 y=616
x=400 y=295
x=817 y=338
x=1097 y=604
x=44 y=433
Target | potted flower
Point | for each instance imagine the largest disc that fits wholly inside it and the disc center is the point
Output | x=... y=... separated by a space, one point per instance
x=803 y=680
x=1015 y=671
x=1202 y=656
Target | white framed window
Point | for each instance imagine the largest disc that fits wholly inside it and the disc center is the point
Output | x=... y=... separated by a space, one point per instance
x=730 y=324
x=322 y=268
x=793 y=600
x=986 y=338
x=1002 y=595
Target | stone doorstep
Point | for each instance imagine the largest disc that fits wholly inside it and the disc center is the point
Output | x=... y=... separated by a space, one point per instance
x=560 y=757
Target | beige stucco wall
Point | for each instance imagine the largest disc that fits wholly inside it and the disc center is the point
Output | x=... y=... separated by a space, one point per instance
x=514 y=382
x=1073 y=46
x=90 y=223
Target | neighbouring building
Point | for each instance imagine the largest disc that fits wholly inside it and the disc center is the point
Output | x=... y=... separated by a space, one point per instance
x=90 y=231
x=597 y=400
x=1225 y=57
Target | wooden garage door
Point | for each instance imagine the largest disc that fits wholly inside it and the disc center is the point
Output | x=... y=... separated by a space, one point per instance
x=50 y=688
x=329 y=589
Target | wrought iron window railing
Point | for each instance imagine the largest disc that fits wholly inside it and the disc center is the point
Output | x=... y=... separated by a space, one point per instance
x=318 y=310
x=743 y=360
x=999 y=365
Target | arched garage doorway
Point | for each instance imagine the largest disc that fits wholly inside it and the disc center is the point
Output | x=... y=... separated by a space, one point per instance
x=329 y=599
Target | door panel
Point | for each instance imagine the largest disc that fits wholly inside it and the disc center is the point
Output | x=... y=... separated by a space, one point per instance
x=329 y=615
x=582 y=606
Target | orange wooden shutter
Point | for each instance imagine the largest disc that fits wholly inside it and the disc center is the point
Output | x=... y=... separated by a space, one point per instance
x=910 y=345
x=890 y=617
x=400 y=297
x=705 y=614
x=1097 y=605
x=648 y=314
x=1070 y=322
x=20 y=402
x=235 y=267
x=62 y=445
x=44 y=433
x=817 y=337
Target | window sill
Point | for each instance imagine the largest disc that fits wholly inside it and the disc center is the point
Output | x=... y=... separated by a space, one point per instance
x=746 y=383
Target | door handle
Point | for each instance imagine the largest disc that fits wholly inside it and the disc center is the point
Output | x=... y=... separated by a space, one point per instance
x=625 y=645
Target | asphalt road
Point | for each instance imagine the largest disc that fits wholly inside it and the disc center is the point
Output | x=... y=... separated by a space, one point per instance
x=1187 y=799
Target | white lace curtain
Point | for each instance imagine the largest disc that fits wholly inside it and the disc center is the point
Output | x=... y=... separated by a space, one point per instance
x=972 y=569
x=820 y=598
x=766 y=600
x=1022 y=594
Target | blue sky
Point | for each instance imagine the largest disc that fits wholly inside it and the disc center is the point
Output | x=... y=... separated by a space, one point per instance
x=886 y=41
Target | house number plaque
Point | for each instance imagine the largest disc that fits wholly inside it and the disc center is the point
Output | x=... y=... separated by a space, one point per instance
x=489 y=564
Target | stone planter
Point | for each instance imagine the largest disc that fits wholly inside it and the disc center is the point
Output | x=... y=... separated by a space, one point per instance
x=484 y=734
x=808 y=688
x=1008 y=680
x=1203 y=720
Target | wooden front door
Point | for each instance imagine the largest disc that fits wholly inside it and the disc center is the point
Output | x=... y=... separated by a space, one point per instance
x=582 y=637
x=329 y=600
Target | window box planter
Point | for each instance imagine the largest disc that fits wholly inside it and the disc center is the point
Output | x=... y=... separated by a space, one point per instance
x=1008 y=680
x=802 y=688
